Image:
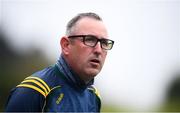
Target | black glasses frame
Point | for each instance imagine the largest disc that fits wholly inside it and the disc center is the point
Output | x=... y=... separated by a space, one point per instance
x=98 y=40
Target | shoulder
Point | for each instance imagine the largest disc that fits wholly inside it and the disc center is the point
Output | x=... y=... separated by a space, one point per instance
x=36 y=84
x=96 y=96
x=31 y=93
x=24 y=99
x=95 y=91
x=42 y=81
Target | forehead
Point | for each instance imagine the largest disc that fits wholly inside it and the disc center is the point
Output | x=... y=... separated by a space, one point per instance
x=91 y=26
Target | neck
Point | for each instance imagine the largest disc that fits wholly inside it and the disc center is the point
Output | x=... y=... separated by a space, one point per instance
x=71 y=75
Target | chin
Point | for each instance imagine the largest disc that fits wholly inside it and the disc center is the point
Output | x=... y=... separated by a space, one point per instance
x=93 y=72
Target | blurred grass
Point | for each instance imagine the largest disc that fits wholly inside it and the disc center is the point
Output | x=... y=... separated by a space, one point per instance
x=110 y=108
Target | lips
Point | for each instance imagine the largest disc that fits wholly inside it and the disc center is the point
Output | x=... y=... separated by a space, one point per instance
x=95 y=61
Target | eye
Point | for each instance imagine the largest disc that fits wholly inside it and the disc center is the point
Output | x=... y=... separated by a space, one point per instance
x=90 y=39
x=105 y=42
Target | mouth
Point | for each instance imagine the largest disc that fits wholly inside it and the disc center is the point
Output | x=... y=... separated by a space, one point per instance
x=95 y=62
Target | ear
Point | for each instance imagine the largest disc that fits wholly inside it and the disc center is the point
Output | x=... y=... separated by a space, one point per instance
x=64 y=42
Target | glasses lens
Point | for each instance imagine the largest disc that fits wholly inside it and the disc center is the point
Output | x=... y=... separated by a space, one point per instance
x=106 y=44
x=90 y=40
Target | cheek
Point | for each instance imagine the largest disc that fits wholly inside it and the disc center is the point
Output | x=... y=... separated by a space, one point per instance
x=104 y=54
x=81 y=55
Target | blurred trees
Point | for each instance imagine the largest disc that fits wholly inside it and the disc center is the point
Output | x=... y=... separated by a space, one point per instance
x=172 y=103
x=15 y=66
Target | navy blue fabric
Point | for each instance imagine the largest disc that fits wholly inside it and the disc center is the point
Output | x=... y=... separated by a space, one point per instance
x=25 y=100
x=69 y=93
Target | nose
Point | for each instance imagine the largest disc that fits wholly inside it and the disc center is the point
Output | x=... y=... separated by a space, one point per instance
x=97 y=48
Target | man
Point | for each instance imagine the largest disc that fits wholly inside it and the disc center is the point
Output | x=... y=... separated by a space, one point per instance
x=67 y=85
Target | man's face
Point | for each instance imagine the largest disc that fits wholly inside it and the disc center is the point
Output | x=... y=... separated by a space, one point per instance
x=84 y=60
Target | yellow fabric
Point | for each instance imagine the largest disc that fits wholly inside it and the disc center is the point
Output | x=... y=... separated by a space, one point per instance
x=40 y=81
x=43 y=87
x=36 y=82
x=33 y=87
x=95 y=91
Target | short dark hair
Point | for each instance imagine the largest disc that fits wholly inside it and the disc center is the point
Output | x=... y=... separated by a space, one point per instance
x=74 y=20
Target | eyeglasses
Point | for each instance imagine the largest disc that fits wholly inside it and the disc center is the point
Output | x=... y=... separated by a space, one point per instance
x=91 y=40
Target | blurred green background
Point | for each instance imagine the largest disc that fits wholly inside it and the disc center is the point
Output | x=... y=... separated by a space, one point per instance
x=15 y=66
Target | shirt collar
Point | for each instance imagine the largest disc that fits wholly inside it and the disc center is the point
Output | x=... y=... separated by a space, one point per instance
x=70 y=75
